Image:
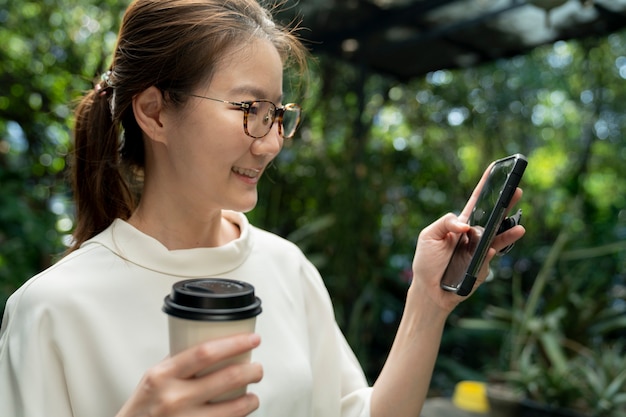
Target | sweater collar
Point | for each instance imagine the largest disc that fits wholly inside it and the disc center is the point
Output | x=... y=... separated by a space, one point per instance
x=145 y=251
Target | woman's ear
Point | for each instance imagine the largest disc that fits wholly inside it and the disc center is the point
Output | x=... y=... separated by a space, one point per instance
x=148 y=106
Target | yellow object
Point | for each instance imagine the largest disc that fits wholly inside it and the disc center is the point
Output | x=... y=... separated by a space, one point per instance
x=471 y=396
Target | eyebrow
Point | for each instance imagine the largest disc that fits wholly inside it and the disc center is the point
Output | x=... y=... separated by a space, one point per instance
x=255 y=92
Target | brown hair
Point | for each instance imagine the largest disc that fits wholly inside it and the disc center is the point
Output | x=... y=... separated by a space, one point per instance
x=173 y=45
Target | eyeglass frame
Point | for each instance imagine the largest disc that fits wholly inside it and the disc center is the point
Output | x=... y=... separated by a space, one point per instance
x=279 y=112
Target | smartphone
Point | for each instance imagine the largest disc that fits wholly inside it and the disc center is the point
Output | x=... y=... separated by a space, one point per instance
x=485 y=220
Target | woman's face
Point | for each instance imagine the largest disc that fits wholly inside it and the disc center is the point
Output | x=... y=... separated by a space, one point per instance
x=211 y=160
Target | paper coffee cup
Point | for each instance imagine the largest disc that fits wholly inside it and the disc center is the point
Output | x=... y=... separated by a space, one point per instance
x=209 y=308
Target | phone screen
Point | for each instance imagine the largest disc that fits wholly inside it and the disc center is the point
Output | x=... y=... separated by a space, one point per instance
x=485 y=219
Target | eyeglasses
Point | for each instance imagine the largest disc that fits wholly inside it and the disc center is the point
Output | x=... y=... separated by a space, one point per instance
x=259 y=116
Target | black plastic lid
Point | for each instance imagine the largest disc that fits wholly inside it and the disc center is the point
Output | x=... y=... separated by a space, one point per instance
x=212 y=299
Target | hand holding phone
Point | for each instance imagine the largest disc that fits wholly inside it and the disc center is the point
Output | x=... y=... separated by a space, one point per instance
x=485 y=220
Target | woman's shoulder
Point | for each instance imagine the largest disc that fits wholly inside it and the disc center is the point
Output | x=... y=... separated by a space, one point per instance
x=261 y=238
x=273 y=240
x=57 y=279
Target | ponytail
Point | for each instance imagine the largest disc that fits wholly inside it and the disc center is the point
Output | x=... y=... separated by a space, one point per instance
x=102 y=191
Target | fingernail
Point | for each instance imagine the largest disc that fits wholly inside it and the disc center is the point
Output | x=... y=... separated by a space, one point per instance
x=255 y=339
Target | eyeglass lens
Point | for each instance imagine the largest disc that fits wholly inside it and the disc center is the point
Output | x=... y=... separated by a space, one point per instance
x=262 y=114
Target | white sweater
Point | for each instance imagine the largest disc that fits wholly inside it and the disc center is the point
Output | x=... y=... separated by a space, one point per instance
x=77 y=338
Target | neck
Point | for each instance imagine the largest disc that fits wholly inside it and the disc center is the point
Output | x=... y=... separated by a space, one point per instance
x=180 y=226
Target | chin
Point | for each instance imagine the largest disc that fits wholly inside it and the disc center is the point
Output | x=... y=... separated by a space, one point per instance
x=245 y=208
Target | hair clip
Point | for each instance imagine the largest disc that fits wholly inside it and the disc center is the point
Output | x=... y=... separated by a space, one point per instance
x=104 y=84
x=106 y=78
x=101 y=91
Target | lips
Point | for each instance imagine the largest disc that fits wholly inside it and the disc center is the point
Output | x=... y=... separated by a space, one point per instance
x=250 y=173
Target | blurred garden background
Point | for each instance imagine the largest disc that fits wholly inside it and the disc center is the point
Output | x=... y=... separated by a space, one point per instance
x=376 y=160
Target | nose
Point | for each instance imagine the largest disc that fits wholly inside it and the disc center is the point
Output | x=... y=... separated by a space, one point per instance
x=270 y=144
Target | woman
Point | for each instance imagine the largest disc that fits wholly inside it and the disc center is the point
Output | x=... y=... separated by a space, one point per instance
x=196 y=87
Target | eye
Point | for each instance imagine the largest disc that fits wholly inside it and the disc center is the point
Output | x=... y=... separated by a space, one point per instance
x=264 y=109
x=255 y=108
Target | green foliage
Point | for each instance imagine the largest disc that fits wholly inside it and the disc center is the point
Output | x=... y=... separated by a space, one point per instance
x=602 y=375
x=51 y=51
x=375 y=162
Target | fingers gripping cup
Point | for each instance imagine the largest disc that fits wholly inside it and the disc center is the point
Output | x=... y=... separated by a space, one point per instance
x=209 y=308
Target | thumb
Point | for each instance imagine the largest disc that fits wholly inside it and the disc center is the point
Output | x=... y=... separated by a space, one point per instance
x=441 y=229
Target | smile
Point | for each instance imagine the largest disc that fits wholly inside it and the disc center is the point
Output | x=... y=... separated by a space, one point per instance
x=250 y=173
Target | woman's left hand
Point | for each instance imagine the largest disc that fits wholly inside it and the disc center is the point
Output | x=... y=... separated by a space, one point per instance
x=436 y=244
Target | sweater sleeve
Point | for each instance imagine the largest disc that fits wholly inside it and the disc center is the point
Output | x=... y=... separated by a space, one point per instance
x=336 y=369
x=31 y=372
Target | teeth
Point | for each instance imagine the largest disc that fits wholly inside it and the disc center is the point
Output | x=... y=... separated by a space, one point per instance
x=247 y=172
